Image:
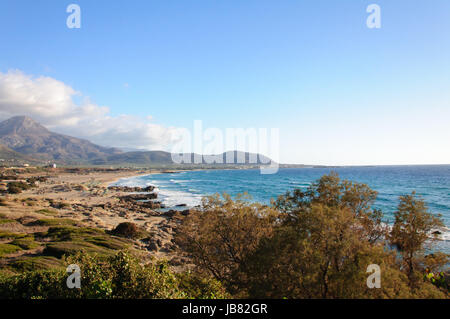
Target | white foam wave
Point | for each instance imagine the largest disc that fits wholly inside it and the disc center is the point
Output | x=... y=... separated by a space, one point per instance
x=174 y=197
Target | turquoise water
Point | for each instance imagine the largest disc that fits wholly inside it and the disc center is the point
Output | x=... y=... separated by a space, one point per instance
x=430 y=182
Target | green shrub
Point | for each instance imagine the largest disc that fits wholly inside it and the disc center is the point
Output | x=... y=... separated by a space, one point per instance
x=118 y=276
x=17 y=187
x=14 y=190
x=198 y=287
x=128 y=230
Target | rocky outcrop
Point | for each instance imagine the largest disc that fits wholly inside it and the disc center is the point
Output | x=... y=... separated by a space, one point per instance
x=128 y=189
x=136 y=197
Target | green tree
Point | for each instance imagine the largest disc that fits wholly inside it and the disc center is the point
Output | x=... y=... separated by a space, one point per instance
x=222 y=233
x=411 y=233
x=331 y=191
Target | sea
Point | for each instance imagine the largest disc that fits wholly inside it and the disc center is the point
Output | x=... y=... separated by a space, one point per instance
x=431 y=182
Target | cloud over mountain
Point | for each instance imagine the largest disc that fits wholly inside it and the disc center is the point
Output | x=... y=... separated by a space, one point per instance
x=52 y=103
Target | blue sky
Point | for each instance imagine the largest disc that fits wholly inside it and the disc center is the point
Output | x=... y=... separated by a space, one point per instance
x=340 y=93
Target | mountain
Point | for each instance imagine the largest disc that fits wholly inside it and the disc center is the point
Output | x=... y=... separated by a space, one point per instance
x=22 y=137
x=26 y=136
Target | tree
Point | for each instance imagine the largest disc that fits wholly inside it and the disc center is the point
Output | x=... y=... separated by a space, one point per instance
x=222 y=233
x=324 y=255
x=411 y=232
x=331 y=191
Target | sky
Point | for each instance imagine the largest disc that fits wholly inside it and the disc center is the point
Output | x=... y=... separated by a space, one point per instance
x=136 y=72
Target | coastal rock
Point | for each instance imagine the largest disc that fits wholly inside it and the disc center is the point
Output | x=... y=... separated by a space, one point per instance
x=128 y=189
x=136 y=197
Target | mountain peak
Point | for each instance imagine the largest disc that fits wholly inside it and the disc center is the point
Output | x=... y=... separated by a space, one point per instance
x=21 y=124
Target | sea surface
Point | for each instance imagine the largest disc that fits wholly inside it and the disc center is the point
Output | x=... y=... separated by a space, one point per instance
x=432 y=183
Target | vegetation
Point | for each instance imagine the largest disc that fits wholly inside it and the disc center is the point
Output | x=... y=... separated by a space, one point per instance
x=118 y=276
x=128 y=230
x=17 y=187
x=410 y=233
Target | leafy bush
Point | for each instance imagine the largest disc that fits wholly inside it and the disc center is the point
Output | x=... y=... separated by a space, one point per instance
x=118 y=276
x=198 y=287
x=17 y=187
x=127 y=230
x=14 y=190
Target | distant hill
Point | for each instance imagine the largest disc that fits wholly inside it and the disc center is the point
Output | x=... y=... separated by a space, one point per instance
x=26 y=136
x=8 y=155
x=22 y=137
x=161 y=157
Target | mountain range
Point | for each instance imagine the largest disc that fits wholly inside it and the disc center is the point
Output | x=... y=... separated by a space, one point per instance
x=25 y=140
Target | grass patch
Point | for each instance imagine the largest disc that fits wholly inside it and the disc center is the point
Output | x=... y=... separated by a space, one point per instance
x=8 y=235
x=47 y=212
x=67 y=240
x=107 y=242
x=8 y=249
x=26 y=243
x=36 y=263
x=56 y=222
x=67 y=233
x=71 y=248
x=7 y=221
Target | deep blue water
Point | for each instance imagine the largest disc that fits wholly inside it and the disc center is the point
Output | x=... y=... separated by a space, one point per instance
x=430 y=182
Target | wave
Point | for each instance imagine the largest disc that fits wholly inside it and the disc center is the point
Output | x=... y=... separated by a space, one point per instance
x=174 y=197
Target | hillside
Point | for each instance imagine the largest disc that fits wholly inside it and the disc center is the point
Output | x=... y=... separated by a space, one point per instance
x=10 y=157
x=24 y=135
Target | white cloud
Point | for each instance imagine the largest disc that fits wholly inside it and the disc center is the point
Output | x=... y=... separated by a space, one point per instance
x=51 y=103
